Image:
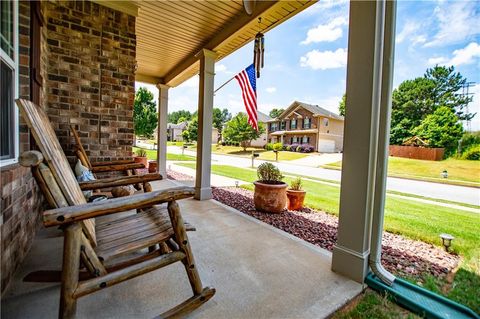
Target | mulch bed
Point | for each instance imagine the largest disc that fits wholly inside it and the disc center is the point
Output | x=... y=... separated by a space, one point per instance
x=401 y=256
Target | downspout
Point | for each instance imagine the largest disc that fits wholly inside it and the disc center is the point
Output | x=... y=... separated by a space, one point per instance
x=383 y=144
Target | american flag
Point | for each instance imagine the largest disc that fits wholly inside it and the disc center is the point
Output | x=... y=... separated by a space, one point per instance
x=247 y=82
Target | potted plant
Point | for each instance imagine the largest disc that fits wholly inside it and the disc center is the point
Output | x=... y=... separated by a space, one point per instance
x=141 y=157
x=270 y=192
x=295 y=195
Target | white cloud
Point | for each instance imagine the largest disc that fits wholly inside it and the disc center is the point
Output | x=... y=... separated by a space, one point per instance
x=408 y=30
x=325 y=5
x=190 y=83
x=457 y=21
x=324 y=60
x=271 y=89
x=326 y=32
x=221 y=68
x=467 y=55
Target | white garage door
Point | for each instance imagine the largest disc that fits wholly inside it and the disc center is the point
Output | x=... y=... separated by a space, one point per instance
x=326 y=146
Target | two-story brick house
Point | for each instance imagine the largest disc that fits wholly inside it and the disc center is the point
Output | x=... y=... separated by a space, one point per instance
x=303 y=123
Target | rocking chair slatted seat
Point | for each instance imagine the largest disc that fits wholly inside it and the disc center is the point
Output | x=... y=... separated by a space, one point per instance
x=97 y=247
x=126 y=165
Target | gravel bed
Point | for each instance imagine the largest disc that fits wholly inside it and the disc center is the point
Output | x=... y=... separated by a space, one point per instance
x=402 y=256
x=178 y=176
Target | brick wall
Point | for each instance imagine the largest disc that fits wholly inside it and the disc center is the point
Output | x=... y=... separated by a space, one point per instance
x=21 y=200
x=91 y=77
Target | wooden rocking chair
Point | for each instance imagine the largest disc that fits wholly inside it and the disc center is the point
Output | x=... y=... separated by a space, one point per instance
x=127 y=165
x=95 y=247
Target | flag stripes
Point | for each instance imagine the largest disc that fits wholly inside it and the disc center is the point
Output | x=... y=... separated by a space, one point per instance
x=247 y=81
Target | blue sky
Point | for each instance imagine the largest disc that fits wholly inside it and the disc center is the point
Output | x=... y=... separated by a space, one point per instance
x=305 y=57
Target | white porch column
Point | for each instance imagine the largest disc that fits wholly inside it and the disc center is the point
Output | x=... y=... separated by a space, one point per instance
x=203 y=189
x=162 y=129
x=364 y=73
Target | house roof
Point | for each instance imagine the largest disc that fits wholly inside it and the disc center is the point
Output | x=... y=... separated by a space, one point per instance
x=315 y=109
x=262 y=117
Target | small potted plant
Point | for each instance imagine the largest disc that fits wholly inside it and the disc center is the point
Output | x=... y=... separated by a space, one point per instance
x=295 y=195
x=270 y=192
x=141 y=157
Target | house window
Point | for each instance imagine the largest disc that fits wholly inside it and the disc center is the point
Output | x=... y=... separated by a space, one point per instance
x=294 y=139
x=306 y=123
x=325 y=122
x=8 y=83
x=282 y=125
x=305 y=140
x=293 y=124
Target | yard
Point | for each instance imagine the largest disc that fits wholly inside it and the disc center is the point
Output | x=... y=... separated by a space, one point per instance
x=264 y=154
x=418 y=221
x=152 y=155
x=461 y=172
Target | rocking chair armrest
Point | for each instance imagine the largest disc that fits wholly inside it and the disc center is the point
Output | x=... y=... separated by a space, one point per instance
x=115 y=162
x=71 y=214
x=119 y=181
x=118 y=167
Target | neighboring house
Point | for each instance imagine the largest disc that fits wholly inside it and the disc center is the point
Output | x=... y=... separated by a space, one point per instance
x=174 y=131
x=215 y=135
x=262 y=140
x=303 y=123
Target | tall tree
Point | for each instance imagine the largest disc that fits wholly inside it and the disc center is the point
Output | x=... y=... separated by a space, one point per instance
x=274 y=113
x=191 y=133
x=145 y=117
x=238 y=130
x=179 y=116
x=415 y=99
x=341 y=105
x=220 y=117
x=441 y=129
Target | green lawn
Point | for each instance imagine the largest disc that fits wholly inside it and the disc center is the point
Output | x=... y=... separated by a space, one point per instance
x=264 y=154
x=458 y=170
x=152 y=155
x=411 y=219
x=175 y=143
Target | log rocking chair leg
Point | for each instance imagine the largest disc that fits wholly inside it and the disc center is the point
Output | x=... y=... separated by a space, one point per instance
x=70 y=272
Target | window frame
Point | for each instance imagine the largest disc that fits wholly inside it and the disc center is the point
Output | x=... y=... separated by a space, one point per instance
x=293 y=127
x=14 y=65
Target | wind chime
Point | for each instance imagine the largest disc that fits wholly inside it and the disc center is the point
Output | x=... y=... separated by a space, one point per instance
x=259 y=50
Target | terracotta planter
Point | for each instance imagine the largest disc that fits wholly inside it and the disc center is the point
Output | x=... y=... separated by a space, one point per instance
x=142 y=160
x=270 y=198
x=152 y=166
x=295 y=199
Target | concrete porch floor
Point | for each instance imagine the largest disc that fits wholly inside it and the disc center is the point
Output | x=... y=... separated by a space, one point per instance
x=258 y=271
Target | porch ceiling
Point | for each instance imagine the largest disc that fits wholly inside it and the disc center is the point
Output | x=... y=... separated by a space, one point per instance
x=171 y=33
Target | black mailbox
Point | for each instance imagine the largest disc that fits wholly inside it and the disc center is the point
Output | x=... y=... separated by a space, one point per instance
x=255 y=155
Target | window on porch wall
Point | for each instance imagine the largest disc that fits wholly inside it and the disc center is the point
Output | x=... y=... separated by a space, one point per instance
x=9 y=83
x=307 y=123
x=293 y=124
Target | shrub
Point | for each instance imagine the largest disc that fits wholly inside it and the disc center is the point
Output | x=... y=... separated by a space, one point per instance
x=277 y=146
x=269 y=173
x=294 y=147
x=288 y=148
x=468 y=140
x=299 y=149
x=472 y=153
x=141 y=152
x=307 y=148
x=296 y=184
x=269 y=147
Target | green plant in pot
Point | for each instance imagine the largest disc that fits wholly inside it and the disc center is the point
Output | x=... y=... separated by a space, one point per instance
x=141 y=157
x=270 y=191
x=295 y=195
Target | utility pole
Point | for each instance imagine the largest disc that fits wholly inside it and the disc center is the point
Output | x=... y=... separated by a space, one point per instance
x=466 y=93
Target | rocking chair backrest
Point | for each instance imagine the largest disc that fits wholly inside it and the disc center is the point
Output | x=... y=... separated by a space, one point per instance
x=47 y=141
x=85 y=160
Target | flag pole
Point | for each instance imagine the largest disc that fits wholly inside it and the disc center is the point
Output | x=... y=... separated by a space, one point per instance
x=228 y=81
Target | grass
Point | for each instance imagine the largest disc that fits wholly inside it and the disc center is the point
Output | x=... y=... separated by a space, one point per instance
x=264 y=154
x=175 y=143
x=152 y=155
x=415 y=220
x=461 y=172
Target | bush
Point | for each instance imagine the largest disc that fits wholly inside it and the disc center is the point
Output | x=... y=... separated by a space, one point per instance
x=307 y=148
x=468 y=140
x=269 y=173
x=287 y=148
x=277 y=146
x=269 y=147
x=294 y=147
x=472 y=153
